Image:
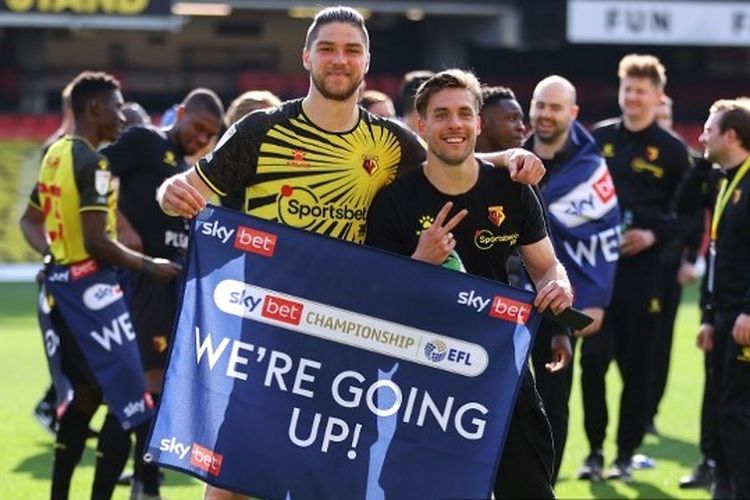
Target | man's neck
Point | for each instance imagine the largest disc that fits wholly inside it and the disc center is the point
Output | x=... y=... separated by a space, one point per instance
x=484 y=146
x=329 y=114
x=638 y=123
x=451 y=179
x=548 y=150
x=734 y=159
x=89 y=134
x=172 y=135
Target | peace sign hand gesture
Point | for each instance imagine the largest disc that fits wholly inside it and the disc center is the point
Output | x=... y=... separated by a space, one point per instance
x=437 y=242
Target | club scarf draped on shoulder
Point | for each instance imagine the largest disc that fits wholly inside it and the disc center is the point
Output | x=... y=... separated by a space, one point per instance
x=584 y=219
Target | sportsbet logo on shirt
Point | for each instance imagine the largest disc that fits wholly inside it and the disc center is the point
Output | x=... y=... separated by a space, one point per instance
x=299 y=207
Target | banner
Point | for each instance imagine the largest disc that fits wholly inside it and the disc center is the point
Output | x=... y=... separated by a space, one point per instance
x=634 y=22
x=51 y=340
x=305 y=367
x=91 y=303
x=77 y=14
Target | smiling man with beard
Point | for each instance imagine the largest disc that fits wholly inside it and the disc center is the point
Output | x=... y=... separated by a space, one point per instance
x=314 y=163
x=577 y=177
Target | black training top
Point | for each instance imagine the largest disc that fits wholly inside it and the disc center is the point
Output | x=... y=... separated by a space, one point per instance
x=732 y=273
x=502 y=214
x=646 y=167
x=278 y=165
x=142 y=158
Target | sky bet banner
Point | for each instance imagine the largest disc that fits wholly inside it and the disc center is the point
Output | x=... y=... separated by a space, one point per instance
x=51 y=340
x=306 y=368
x=91 y=303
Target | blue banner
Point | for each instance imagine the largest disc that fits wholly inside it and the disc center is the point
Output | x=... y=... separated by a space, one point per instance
x=304 y=367
x=51 y=340
x=584 y=219
x=91 y=303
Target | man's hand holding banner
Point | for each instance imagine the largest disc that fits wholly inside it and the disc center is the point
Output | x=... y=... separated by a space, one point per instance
x=305 y=367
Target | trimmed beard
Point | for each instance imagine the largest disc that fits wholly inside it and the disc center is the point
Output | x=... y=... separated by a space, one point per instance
x=454 y=161
x=320 y=86
x=557 y=133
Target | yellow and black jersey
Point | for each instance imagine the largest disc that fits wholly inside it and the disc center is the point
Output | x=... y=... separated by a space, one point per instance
x=74 y=178
x=276 y=164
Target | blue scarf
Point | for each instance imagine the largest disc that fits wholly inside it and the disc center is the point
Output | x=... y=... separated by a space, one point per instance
x=584 y=220
x=91 y=303
x=51 y=340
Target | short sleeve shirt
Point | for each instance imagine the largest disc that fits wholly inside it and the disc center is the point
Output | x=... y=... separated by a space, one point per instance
x=278 y=165
x=74 y=178
x=141 y=159
x=502 y=215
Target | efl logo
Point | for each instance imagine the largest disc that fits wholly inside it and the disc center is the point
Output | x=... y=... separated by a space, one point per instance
x=206 y=459
x=254 y=241
x=604 y=187
x=282 y=310
x=510 y=310
x=83 y=269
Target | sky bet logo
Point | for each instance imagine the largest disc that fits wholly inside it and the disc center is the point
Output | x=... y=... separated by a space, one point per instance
x=216 y=230
x=171 y=445
x=277 y=308
x=500 y=307
x=254 y=241
x=246 y=239
x=205 y=459
x=140 y=406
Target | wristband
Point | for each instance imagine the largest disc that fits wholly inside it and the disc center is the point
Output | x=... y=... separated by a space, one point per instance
x=47 y=257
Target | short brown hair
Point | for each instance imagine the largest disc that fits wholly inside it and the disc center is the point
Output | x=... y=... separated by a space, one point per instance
x=643 y=66
x=370 y=97
x=448 y=79
x=407 y=92
x=251 y=100
x=338 y=14
x=735 y=114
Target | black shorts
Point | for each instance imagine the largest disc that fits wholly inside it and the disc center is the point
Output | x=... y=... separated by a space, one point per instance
x=74 y=364
x=153 y=307
x=528 y=457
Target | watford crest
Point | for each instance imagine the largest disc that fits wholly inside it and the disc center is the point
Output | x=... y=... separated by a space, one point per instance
x=169 y=158
x=496 y=214
x=370 y=164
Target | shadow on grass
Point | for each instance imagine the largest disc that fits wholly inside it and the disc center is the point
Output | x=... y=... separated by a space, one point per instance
x=615 y=489
x=39 y=465
x=606 y=489
x=675 y=450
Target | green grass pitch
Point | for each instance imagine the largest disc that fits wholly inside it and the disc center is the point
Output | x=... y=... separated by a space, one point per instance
x=26 y=451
